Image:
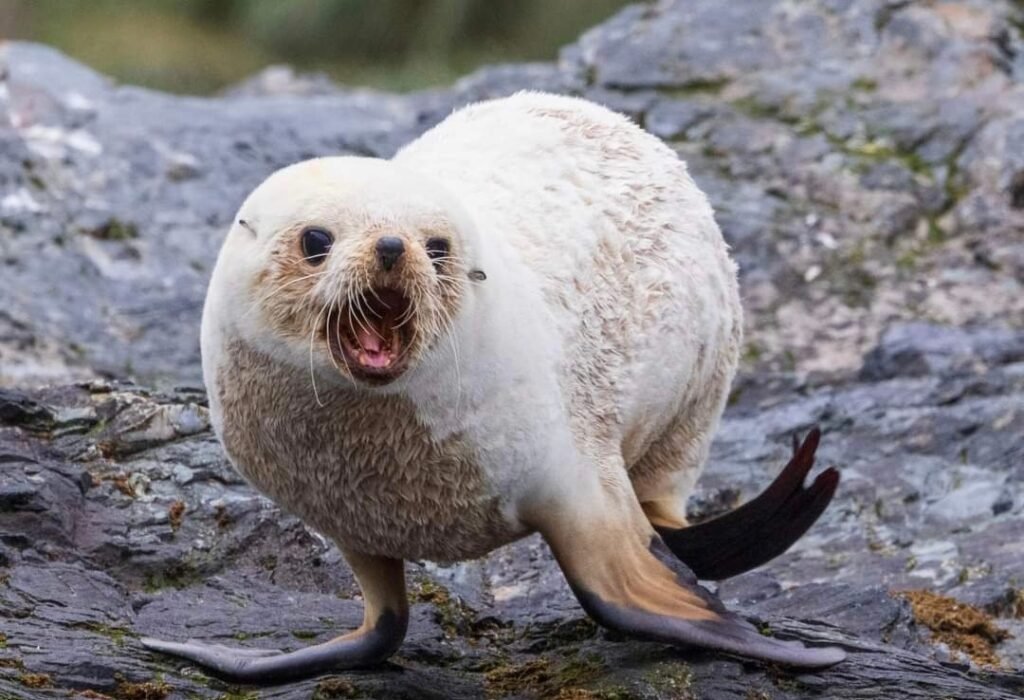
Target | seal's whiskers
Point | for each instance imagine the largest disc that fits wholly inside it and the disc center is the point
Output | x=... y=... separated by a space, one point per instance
x=312 y=337
x=337 y=331
x=258 y=303
x=352 y=307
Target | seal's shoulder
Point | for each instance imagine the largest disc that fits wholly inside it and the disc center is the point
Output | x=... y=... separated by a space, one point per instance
x=542 y=106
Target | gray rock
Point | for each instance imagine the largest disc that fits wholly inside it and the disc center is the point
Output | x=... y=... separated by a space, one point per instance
x=865 y=162
x=106 y=563
x=916 y=349
x=671 y=119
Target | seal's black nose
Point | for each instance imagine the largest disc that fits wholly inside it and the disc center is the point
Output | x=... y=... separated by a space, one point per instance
x=389 y=250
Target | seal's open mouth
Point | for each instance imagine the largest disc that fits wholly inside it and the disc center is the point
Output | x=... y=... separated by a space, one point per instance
x=371 y=336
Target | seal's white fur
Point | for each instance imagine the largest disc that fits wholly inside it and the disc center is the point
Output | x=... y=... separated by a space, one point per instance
x=612 y=277
x=601 y=346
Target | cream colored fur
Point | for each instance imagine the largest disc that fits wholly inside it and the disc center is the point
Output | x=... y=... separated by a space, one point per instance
x=598 y=351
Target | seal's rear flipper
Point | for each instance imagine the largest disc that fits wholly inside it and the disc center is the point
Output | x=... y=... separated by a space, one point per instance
x=762 y=529
x=646 y=592
x=385 y=619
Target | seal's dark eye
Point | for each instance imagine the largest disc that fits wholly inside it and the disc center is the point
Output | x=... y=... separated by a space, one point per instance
x=437 y=248
x=316 y=244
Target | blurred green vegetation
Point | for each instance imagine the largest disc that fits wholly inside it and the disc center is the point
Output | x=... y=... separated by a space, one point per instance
x=199 y=46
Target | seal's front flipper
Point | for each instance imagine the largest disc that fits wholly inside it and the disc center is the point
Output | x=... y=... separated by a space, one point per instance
x=366 y=646
x=627 y=579
x=758 y=531
x=385 y=619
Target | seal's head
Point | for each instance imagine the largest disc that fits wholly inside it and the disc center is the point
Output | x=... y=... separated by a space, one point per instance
x=355 y=265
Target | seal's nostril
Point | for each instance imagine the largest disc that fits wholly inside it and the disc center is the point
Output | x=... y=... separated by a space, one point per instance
x=389 y=250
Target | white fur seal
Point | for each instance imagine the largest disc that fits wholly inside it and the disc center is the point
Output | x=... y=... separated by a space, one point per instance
x=527 y=320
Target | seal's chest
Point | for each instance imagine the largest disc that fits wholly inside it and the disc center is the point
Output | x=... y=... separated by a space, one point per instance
x=361 y=468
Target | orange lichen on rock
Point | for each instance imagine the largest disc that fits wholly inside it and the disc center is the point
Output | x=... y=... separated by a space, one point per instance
x=175 y=514
x=334 y=687
x=149 y=690
x=122 y=484
x=960 y=626
x=36 y=680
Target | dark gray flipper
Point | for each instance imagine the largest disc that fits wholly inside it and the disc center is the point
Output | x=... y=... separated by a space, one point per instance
x=384 y=625
x=758 y=531
x=365 y=648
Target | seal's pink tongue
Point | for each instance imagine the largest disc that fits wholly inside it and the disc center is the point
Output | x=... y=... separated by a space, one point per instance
x=372 y=336
x=368 y=340
x=372 y=350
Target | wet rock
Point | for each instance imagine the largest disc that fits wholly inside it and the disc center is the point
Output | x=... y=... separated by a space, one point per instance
x=235 y=570
x=18 y=409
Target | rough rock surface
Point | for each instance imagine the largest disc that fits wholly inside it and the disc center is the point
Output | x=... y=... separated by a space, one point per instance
x=866 y=158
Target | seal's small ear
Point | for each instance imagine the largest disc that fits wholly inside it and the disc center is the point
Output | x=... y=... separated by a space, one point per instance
x=247 y=226
x=477 y=275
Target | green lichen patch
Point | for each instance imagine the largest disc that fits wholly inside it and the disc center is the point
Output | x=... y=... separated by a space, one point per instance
x=244 y=636
x=116 y=634
x=881 y=150
x=550 y=636
x=451 y=614
x=492 y=630
x=509 y=679
x=930 y=236
x=865 y=84
x=179 y=575
x=849 y=278
x=573 y=631
x=783 y=679
x=698 y=86
x=238 y=694
x=752 y=353
x=114 y=230
x=543 y=678
x=756 y=109
x=611 y=693
x=673 y=679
